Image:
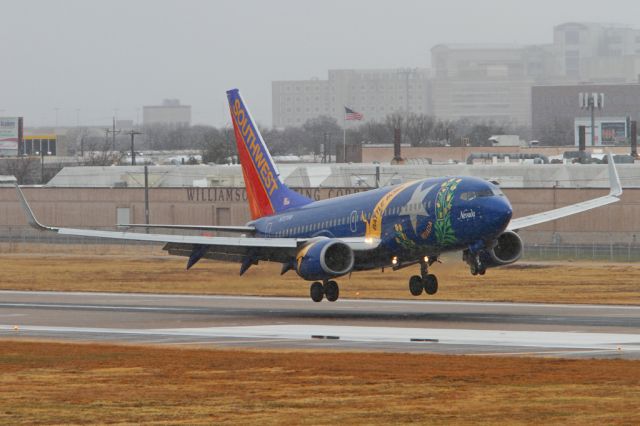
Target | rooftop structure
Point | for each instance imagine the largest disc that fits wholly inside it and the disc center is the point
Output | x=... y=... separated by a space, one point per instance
x=171 y=113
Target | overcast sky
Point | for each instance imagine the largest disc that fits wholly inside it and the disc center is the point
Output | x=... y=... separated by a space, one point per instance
x=97 y=56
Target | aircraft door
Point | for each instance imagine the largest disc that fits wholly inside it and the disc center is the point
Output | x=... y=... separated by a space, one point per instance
x=353 y=221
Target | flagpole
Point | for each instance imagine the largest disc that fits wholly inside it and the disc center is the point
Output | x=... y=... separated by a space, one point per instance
x=344 y=135
x=344 y=142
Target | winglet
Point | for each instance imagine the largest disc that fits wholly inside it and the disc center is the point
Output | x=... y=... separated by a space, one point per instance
x=614 y=179
x=31 y=218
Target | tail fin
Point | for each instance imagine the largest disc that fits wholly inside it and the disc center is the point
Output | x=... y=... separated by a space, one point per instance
x=266 y=192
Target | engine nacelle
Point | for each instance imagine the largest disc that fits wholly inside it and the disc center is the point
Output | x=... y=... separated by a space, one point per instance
x=324 y=258
x=507 y=249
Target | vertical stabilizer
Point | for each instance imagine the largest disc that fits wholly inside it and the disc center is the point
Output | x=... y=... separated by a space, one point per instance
x=266 y=192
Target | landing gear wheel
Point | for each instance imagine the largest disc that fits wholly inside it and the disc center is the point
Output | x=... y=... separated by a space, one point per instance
x=332 y=291
x=317 y=292
x=430 y=284
x=477 y=267
x=415 y=285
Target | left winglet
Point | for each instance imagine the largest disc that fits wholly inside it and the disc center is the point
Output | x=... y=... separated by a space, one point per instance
x=31 y=218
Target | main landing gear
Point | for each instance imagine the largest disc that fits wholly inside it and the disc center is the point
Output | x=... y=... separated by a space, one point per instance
x=329 y=289
x=424 y=282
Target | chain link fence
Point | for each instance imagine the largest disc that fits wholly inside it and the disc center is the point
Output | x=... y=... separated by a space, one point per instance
x=614 y=252
x=28 y=240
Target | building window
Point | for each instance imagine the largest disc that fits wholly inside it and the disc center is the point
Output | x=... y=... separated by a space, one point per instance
x=572 y=37
x=572 y=63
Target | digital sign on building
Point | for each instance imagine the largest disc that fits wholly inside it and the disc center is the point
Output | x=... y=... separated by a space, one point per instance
x=608 y=130
x=10 y=135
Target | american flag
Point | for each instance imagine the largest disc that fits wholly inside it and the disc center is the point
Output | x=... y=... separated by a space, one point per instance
x=350 y=114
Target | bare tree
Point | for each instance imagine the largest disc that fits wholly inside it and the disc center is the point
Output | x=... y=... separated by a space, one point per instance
x=101 y=154
x=376 y=132
x=395 y=121
x=418 y=129
x=219 y=145
x=24 y=169
x=321 y=130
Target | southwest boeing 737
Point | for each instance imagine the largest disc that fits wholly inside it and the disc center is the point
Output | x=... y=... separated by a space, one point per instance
x=413 y=223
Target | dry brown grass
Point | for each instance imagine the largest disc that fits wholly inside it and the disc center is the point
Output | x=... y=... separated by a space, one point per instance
x=76 y=383
x=568 y=282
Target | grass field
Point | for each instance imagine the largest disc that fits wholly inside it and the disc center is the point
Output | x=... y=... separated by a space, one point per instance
x=566 y=282
x=75 y=383
x=63 y=383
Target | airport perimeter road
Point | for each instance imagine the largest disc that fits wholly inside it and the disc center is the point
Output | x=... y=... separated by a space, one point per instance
x=381 y=325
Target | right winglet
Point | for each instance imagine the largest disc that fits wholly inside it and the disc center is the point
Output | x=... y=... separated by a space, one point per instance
x=31 y=218
x=614 y=179
x=615 y=192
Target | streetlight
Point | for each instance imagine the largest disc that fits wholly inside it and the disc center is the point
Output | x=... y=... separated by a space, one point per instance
x=591 y=101
x=133 y=133
x=41 y=153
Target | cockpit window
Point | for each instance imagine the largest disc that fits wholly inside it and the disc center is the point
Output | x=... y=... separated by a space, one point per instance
x=472 y=195
x=497 y=191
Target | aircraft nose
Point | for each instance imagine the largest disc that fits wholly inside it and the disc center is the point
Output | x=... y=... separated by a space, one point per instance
x=501 y=212
x=504 y=214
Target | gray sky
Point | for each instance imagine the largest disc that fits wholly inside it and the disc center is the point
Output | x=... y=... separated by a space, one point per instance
x=100 y=55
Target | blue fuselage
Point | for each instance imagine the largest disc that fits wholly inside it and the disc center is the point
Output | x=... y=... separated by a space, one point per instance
x=411 y=220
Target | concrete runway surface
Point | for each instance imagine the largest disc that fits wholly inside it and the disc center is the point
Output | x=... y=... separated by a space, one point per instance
x=602 y=331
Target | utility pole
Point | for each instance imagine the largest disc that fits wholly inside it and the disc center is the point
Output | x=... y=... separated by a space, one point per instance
x=113 y=134
x=41 y=164
x=146 y=197
x=133 y=133
x=324 y=148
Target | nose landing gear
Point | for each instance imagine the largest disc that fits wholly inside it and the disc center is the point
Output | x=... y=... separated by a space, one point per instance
x=476 y=267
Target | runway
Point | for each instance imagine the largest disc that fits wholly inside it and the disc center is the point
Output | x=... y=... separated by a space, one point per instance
x=602 y=331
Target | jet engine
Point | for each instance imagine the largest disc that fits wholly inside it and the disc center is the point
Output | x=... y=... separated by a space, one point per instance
x=506 y=249
x=324 y=258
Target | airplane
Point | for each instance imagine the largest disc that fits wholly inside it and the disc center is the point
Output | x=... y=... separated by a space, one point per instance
x=412 y=223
